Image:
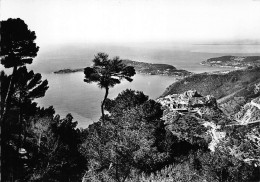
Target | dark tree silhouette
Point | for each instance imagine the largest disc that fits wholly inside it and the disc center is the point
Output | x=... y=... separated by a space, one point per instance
x=27 y=86
x=17 y=49
x=107 y=73
x=128 y=142
x=54 y=143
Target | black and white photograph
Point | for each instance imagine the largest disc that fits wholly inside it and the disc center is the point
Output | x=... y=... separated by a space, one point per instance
x=130 y=90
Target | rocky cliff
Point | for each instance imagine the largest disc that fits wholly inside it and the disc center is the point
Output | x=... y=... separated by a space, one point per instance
x=243 y=136
x=243 y=139
x=250 y=113
x=232 y=90
x=194 y=118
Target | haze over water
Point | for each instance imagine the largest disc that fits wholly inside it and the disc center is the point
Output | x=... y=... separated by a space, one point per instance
x=69 y=94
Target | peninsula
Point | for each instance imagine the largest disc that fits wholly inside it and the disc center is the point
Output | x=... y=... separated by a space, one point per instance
x=233 y=61
x=143 y=68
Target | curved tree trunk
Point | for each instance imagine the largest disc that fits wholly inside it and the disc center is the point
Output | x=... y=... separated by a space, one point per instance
x=102 y=105
x=4 y=117
x=8 y=96
x=20 y=124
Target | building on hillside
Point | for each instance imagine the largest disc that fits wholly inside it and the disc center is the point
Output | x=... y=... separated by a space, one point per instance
x=186 y=101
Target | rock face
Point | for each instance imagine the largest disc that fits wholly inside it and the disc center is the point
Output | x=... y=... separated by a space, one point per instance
x=257 y=88
x=243 y=142
x=194 y=118
x=217 y=135
x=190 y=116
x=232 y=90
x=187 y=101
x=243 y=136
x=250 y=113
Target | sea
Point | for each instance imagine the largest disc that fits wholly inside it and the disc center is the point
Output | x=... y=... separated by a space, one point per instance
x=68 y=93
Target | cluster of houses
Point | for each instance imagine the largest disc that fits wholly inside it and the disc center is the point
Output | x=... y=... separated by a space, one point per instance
x=186 y=101
x=191 y=101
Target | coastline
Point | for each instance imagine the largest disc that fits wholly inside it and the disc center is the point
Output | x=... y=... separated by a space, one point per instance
x=222 y=66
x=62 y=72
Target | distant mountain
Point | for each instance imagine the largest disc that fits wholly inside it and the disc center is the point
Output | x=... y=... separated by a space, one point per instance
x=143 y=68
x=232 y=90
x=233 y=61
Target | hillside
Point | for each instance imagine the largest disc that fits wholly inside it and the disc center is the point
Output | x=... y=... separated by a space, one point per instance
x=250 y=112
x=193 y=117
x=243 y=136
x=142 y=68
x=233 y=61
x=232 y=90
x=156 y=69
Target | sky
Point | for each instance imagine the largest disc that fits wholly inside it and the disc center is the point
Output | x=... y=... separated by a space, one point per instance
x=106 y=21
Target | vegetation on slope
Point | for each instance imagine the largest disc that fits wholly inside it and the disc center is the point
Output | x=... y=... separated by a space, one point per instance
x=233 y=61
x=143 y=68
x=156 y=69
x=232 y=90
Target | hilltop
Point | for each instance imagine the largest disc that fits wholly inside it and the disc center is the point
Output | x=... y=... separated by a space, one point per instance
x=233 y=61
x=143 y=68
x=156 y=69
x=190 y=115
x=232 y=90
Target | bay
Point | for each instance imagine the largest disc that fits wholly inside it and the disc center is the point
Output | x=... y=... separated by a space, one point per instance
x=69 y=94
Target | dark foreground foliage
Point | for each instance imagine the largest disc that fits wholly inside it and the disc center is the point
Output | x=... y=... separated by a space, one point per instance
x=133 y=145
x=37 y=146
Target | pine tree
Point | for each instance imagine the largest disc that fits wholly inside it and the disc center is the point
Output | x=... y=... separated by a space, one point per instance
x=17 y=49
x=107 y=73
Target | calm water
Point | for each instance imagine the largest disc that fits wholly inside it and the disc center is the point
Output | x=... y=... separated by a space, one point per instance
x=69 y=94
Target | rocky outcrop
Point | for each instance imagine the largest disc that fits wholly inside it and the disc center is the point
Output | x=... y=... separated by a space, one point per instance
x=250 y=113
x=187 y=101
x=194 y=116
x=217 y=135
x=242 y=142
x=257 y=88
x=243 y=136
x=232 y=90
